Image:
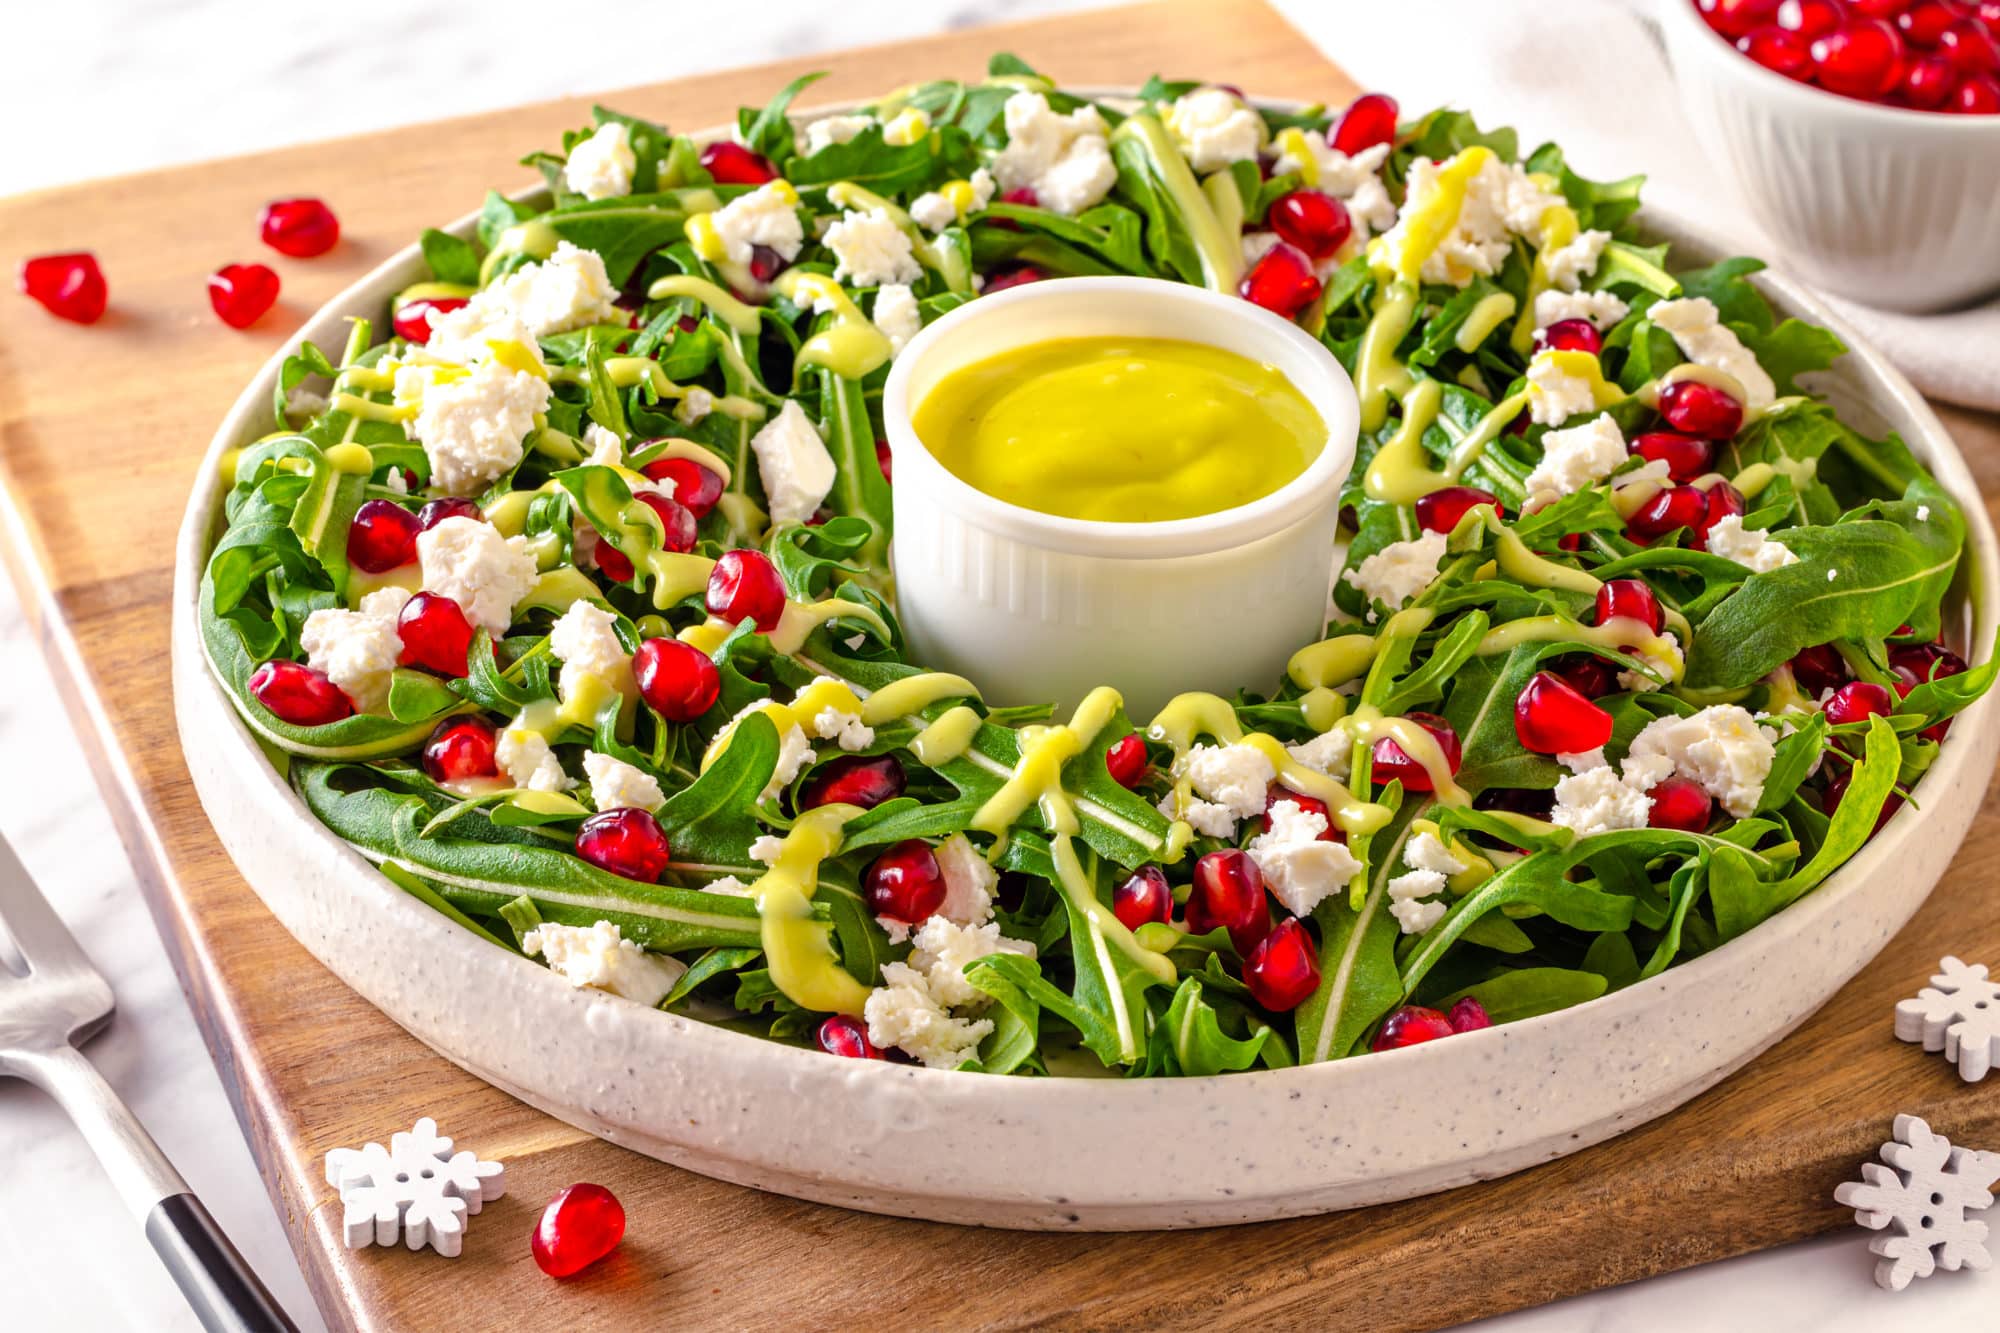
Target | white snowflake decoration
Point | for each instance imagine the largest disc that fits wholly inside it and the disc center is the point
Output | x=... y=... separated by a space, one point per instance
x=1959 y=1014
x=417 y=1184
x=1922 y=1205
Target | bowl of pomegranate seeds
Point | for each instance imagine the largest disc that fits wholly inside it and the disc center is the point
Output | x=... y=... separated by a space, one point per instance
x=1863 y=135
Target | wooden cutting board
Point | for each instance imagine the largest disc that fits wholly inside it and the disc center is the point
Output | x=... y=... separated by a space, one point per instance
x=99 y=430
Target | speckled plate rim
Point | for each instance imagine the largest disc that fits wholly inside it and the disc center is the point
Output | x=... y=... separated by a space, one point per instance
x=1090 y=1154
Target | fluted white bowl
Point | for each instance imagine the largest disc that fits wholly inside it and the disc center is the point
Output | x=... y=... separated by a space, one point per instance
x=1894 y=208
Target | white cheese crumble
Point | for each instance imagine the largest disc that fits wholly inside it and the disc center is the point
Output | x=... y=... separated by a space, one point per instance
x=1427 y=852
x=1697 y=330
x=730 y=885
x=523 y=754
x=1213 y=128
x=870 y=250
x=1501 y=200
x=1568 y=265
x=830 y=130
x=696 y=403
x=1721 y=747
x=616 y=785
x=943 y=948
x=896 y=314
x=357 y=650
x=468 y=561
x=568 y=290
x=1204 y=817
x=794 y=753
x=600 y=958
x=1232 y=776
x=601 y=166
x=767 y=849
x=1923 y=513
x=585 y=638
x=1400 y=570
x=1578 y=457
x=909 y=126
x=1407 y=894
x=1755 y=550
x=1600 y=308
x=768 y=215
x=472 y=427
x=903 y=1013
x=934 y=210
x=1065 y=160
x=1330 y=752
x=793 y=464
x=968 y=881
x=831 y=724
x=1664 y=657
x=1597 y=800
x=1555 y=395
x=1300 y=867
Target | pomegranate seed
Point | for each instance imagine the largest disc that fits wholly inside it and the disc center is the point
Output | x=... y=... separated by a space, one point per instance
x=1517 y=801
x=1878 y=9
x=1811 y=18
x=1441 y=510
x=1126 y=761
x=627 y=841
x=766 y=263
x=611 y=562
x=382 y=536
x=1685 y=456
x=1920 y=662
x=744 y=585
x=462 y=748
x=1629 y=599
x=1570 y=541
x=1469 y=1015
x=1723 y=501
x=1282 y=282
x=1779 y=51
x=412 y=319
x=1370 y=119
x=1391 y=763
x=853 y=779
x=677 y=680
x=1863 y=59
x=300 y=228
x=733 y=164
x=1572 y=335
x=1928 y=82
x=1977 y=96
x=675 y=518
x=1315 y=222
x=845 y=1035
x=435 y=635
x=1022 y=196
x=580 y=1226
x=1733 y=18
x=1229 y=892
x=1987 y=12
x=241 y=293
x=1552 y=718
x=1969 y=46
x=1589 y=675
x=885 y=460
x=1820 y=668
x=1857 y=701
x=1836 y=792
x=299 y=695
x=696 y=488
x=69 y=287
x=1017 y=276
x=1694 y=408
x=1924 y=23
x=1143 y=897
x=1311 y=805
x=904 y=883
x=1679 y=803
x=1282 y=972
x=1409 y=1026
x=1674 y=507
x=435 y=512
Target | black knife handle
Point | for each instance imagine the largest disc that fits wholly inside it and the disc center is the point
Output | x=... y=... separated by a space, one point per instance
x=225 y=1294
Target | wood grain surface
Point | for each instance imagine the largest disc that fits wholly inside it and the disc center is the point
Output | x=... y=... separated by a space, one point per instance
x=89 y=499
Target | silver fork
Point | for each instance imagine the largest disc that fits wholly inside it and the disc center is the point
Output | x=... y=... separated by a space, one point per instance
x=60 y=1001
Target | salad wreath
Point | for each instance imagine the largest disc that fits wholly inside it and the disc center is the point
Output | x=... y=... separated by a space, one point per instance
x=568 y=606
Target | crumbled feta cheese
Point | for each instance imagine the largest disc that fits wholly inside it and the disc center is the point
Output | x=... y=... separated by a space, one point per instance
x=1500 y=199
x=568 y=290
x=357 y=650
x=599 y=957
x=1213 y=128
x=1923 y=513
x=1697 y=330
x=1568 y=265
x=1578 y=457
x=870 y=250
x=1583 y=760
x=768 y=215
x=606 y=449
x=793 y=464
x=1414 y=915
x=1755 y=550
x=909 y=126
x=830 y=130
x=831 y=724
x=1832 y=575
x=903 y=1013
x=896 y=314
x=1597 y=800
x=767 y=849
x=1400 y=570
x=1555 y=395
x=1664 y=657
x=696 y=403
x=1330 y=752
x=1065 y=160
x=794 y=753
x=1427 y=852
x=585 y=638
x=616 y=785
x=1233 y=776
x=302 y=405
x=523 y=754
x=943 y=948
x=1721 y=747
x=730 y=885
x=601 y=166
x=472 y=427
x=934 y=210
x=468 y=561
x=1204 y=817
x=1600 y=308
x=1300 y=866
x=968 y=881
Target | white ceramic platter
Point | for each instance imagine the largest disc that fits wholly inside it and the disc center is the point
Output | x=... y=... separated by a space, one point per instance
x=1086 y=1154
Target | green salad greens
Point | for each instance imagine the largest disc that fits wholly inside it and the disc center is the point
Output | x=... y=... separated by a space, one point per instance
x=569 y=605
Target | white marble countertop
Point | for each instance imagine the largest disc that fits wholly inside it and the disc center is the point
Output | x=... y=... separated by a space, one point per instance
x=180 y=80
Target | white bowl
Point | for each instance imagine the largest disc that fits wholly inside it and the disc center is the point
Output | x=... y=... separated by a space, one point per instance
x=1036 y=607
x=1079 y=1154
x=1895 y=208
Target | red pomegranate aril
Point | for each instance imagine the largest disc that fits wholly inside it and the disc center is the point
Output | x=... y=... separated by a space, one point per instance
x=1970 y=47
x=460 y=749
x=611 y=562
x=1409 y=1026
x=1724 y=501
x=1282 y=971
x=1694 y=408
x=580 y=1226
x=847 y=1036
x=435 y=512
x=1862 y=59
x=1928 y=82
x=766 y=263
x=1674 y=507
x=1315 y=222
x=862 y=780
x=1820 y=668
x=69 y=286
x=1550 y=717
x=1282 y=282
x=677 y=680
x=1018 y=276
x=300 y=228
x=1391 y=763
x=298 y=694
x=1777 y=50
x=696 y=488
x=435 y=635
x=412 y=320
x=1572 y=335
x=1920 y=662
x=1681 y=804
x=1685 y=456
x=627 y=842
x=1836 y=792
x=1369 y=119
x=675 y=519
x=1811 y=18
x=1570 y=541
x=1143 y=897
x=1126 y=761
x=885 y=460
x=733 y=164
x=1733 y=18
x=1586 y=673
x=904 y=883
x=1469 y=1015
x=1629 y=599
x=744 y=585
x=1229 y=892
x=1857 y=701
x=1878 y=9
x=241 y=293
x=1977 y=96
x=1923 y=23
x=1441 y=510
x=382 y=536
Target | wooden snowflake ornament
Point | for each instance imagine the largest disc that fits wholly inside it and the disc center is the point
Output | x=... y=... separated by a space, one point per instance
x=1923 y=1204
x=417 y=1185
x=1959 y=1014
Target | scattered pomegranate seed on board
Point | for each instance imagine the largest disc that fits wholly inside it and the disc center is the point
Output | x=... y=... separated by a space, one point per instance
x=241 y=293
x=580 y=1226
x=69 y=286
x=301 y=228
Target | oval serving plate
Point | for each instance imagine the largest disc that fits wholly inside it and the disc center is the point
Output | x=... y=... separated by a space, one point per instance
x=976 y=1149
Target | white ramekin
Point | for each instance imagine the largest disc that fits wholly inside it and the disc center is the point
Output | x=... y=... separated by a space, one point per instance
x=1894 y=208
x=1036 y=607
